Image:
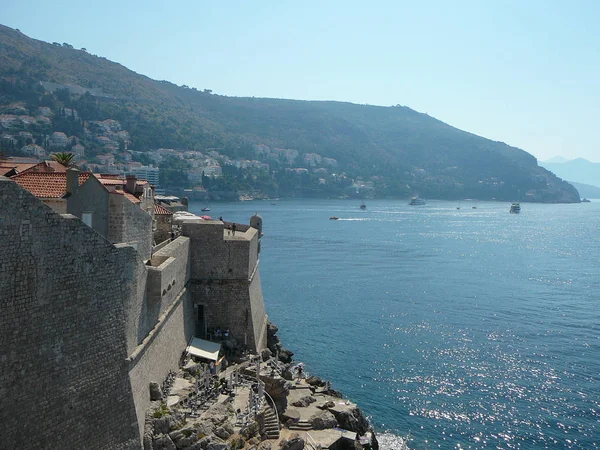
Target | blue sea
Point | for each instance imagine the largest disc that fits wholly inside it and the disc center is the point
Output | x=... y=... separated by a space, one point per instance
x=451 y=328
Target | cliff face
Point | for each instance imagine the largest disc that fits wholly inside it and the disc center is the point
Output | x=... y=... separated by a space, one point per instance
x=398 y=149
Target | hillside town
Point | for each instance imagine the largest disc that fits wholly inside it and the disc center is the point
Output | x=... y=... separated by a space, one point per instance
x=104 y=146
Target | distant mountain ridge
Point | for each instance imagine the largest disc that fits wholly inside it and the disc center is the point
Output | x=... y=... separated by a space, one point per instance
x=396 y=149
x=586 y=190
x=579 y=170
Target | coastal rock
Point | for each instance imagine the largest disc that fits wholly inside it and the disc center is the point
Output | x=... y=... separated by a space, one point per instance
x=334 y=393
x=266 y=354
x=272 y=329
x=285 y=356
x=315 y=381
x=287 y=374
x=156 y=392
x=184 y=438
x=295 y=443
x=218 y=446
x=203 y=443
x=219 y=414
x=323 y=420
x=352 y=420
x=224 y=432
x=304 y=401
x=162 y=425
x=163 y=442
x=278 y=389
x=204 y=428
x=237 y=441
x=326 y=405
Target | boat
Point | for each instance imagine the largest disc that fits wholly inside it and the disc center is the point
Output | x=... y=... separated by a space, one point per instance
x=334 y=218
x=585 y=200
x=363 y=206
x=416 y=201
x=515 y=208
x=206 y=209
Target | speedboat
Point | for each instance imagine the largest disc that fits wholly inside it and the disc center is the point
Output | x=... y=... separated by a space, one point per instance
x=363 y=206
x=515 y=208
x=585 y=200
x=334 y=218
x=416 y=201
x=206 y=209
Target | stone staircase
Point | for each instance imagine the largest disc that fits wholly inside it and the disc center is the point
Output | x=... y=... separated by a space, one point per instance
x=271 y=423
x=302 y=425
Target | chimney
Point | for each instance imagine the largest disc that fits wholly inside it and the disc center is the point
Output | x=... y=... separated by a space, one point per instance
x=131 y=182
x=72 y=180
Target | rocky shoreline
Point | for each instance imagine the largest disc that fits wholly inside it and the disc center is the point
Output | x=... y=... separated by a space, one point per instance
x=257 y=402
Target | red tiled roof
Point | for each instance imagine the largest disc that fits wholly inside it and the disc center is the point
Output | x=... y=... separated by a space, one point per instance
x=7 y=166
x=111 y=182
x=47 y=166
x=161 y=211
x=132 y=198
x=47 y=184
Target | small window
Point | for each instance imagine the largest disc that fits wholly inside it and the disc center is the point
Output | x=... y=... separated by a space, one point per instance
x=86 y=217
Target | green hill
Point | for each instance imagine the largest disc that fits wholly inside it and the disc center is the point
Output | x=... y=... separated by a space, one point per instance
x=396 y=150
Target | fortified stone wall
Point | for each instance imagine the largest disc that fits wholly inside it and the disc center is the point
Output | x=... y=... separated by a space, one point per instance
x=234 y=304
x=164 y=225
x=224 y=279
x=167 y=276
x=127 y=222
x=160 y=351
x=64 y=376
x=217 y=255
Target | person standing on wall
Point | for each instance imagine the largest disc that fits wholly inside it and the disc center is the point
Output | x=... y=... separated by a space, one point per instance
x=233 y=228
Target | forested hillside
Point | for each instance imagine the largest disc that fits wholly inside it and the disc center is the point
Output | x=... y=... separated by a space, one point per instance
x=360 y=150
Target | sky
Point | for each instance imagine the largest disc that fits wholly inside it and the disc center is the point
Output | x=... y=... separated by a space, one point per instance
x=522 y=72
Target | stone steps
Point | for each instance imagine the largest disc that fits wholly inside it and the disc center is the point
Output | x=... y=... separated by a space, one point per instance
x=302 y=425
x=271 y=425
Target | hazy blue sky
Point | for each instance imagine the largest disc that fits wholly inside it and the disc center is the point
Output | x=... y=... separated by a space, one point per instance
x=524 y=72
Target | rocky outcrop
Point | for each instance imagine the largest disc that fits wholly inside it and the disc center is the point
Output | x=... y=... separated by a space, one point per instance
x=274 y=345
x=323 y=420
x=305 y=401
x=294 y=443
x=352 y=420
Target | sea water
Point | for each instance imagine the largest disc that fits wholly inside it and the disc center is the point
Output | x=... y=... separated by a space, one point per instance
x=451 y=328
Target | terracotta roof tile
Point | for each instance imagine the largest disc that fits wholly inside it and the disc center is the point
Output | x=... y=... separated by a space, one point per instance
x=161 y=211
x=131 y=197
x=47 y=184
x=47 y=166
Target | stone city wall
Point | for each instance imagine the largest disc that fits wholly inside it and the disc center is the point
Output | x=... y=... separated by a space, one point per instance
x=167 y=276
x=64 y=376
x=217 y=256
x=234 y=304
x=160 y=351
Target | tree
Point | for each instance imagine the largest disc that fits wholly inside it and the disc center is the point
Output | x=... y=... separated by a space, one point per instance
x=64 y=158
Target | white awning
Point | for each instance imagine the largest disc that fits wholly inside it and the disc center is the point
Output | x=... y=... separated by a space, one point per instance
x=204 y=349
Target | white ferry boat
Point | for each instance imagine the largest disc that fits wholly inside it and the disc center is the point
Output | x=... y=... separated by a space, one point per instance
x=416 y=201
